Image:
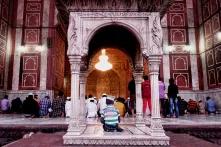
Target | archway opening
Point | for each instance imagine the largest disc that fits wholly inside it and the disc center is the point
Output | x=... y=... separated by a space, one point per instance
x=115 y=37
x=113 y=82
x=123 y=49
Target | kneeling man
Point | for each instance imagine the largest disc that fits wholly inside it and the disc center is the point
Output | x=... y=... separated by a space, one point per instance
x=110 y=117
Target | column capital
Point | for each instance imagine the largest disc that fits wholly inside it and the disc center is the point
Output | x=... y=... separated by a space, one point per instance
x=154 y=63
x=138 y=74
x=138 y=77
x=75 y=61
x=155 y=58
x=83 y=75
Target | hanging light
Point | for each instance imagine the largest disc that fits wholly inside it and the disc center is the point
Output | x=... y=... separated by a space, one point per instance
x=103 y=63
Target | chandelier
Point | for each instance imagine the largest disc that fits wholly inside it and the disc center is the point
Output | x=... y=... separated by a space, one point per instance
x=103 y=63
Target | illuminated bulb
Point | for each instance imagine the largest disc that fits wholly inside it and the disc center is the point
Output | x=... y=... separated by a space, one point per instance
x=218 y=36
x=103 y=63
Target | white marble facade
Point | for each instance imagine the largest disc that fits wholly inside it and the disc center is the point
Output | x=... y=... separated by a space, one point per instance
x=82 y=26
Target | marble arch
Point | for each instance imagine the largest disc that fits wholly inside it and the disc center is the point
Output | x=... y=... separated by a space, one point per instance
x=126 y=26
x=147 y=28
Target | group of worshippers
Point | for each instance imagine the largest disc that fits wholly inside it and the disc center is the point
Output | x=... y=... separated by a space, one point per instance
x=197 y=107
x=107 y=109
x=35 y=107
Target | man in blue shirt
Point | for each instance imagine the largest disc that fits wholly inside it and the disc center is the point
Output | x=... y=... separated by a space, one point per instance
x=110 y=117
x=210 y=106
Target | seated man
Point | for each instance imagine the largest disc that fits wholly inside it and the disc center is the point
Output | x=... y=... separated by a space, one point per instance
x=91 y=109
x=110 y=117
x=119 y=105
x=210 y=105
x=192 y=106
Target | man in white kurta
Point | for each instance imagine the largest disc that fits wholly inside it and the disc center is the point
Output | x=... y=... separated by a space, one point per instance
x=91 y=109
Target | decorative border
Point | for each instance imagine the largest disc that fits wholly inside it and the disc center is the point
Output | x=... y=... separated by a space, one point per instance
x=34 y=75
x=208 y=54
x=184 y=58
x=211 y=71
x=187 y=77
x=218 y=70
x=123 y=142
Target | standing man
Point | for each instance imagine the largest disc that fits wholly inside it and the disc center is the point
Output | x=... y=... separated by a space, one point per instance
x=146 y=94
x=132 y=89
x=172 y=95
x=162 y=97
x=58 y=105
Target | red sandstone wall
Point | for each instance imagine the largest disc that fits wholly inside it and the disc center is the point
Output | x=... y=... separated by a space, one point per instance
x=210 y=10
x=29 y=77
x=58 y=62
x=180 y=67
x=4 y=24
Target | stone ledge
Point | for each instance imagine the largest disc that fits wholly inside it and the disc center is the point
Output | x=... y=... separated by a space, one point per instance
x=135 y=140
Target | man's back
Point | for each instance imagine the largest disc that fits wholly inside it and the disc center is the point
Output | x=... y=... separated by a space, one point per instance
x=4 y=104
x=211 y=106
x=146 y=91
x=102 y=104
x=172 y=91
x=91 y=109
x=161 y=90
x=45 y=104
x=110 y=115
x=121 y=108
x=192 y=106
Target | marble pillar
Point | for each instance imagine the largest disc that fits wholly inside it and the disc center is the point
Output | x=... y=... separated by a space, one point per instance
x=156 y=126
x=138 y=74
x=74 y=127
x=82 y=97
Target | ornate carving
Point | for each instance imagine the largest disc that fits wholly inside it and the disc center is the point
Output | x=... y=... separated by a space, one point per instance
x=73 y=49
x=122 y=142
x=111 y=14
x=119 y=5
x=138 y=68
x=156 y=34
x=75 y=63
x=156 y=124
x=157 y=128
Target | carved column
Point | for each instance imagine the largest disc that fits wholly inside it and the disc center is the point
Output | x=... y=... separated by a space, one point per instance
x=74 y=124
x=139 y=101
x=82 y=97
x=156 y=126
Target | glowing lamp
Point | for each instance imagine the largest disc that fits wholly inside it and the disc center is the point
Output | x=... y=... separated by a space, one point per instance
x=103 y=63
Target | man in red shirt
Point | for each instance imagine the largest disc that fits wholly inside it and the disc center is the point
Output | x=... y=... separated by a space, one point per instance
x=146 y=94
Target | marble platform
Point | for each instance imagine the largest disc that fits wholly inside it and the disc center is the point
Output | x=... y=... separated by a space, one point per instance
x=18 y=124
x=131 y=136
x=94 y=132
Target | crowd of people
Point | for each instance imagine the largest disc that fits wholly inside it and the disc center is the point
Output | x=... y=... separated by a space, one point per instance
x=35 y=107
x=171 y=104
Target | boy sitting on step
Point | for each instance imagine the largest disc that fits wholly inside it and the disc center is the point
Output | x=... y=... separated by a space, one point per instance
x=110 y=117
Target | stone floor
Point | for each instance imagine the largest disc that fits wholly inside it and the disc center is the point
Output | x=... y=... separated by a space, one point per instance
x=19 y=122
x=55 y=140
x=191 y=120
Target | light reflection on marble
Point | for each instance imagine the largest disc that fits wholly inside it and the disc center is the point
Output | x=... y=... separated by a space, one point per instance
x=13 y=119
